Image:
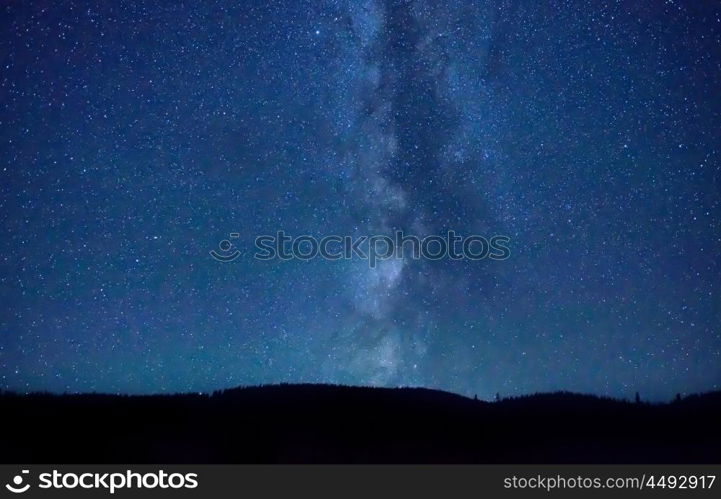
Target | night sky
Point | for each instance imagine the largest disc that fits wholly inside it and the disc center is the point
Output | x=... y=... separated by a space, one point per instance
x=135 y=136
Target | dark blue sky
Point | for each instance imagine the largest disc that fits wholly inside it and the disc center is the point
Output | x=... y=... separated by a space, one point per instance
x=134 y=136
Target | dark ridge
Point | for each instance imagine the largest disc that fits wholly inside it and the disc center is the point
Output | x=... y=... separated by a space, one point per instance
x=341 y=424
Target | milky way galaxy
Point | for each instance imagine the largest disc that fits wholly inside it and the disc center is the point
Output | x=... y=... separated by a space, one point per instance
x=136 y=136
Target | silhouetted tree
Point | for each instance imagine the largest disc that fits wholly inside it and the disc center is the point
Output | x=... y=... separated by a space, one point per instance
x=638 y=398
x=241 y=425
x=678 y=397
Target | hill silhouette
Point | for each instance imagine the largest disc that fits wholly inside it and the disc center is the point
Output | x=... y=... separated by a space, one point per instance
x=341 y=424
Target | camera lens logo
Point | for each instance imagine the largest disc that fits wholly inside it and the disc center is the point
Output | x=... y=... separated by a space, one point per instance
x=17 y=486
x=225 y=246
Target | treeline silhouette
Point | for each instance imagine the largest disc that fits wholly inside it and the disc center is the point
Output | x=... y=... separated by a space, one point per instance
x=341 y=424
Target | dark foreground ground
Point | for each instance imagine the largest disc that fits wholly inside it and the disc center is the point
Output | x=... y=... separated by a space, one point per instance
x=333 y=424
